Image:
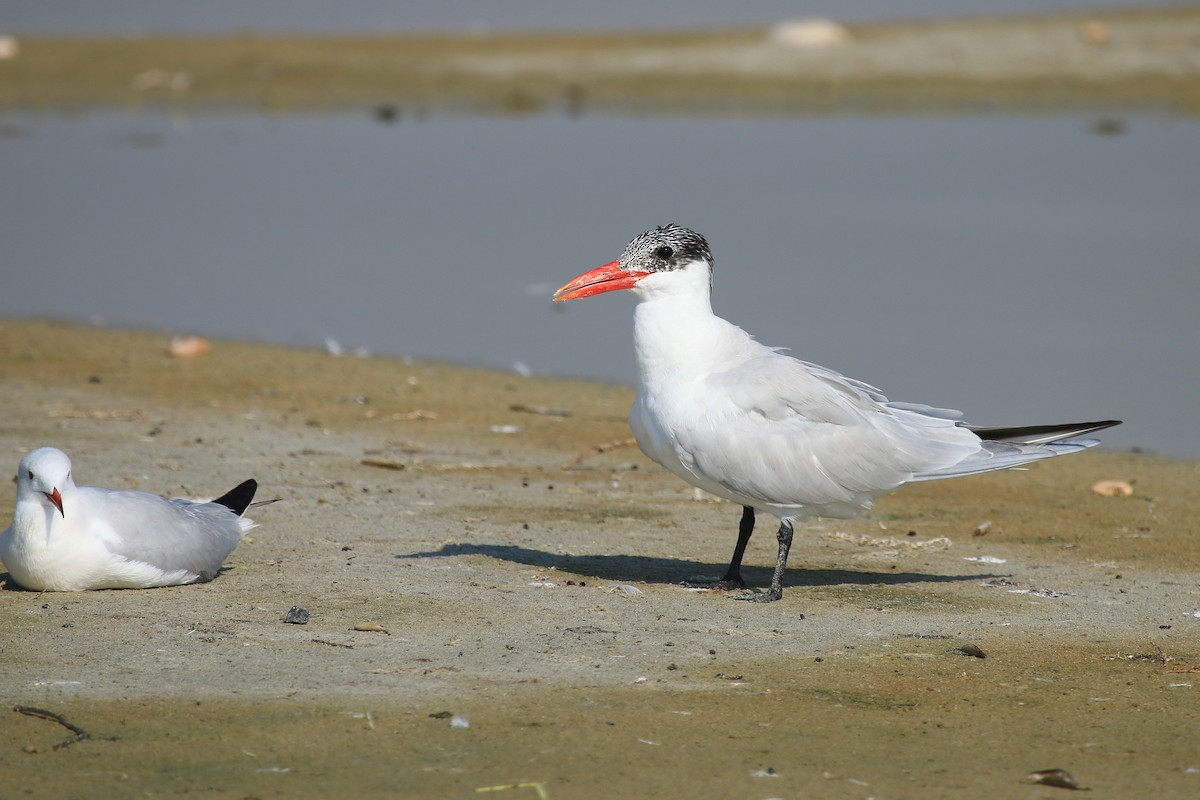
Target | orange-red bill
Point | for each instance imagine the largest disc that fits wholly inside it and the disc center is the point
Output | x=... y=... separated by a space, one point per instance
x=607 y=278
x=56 y=498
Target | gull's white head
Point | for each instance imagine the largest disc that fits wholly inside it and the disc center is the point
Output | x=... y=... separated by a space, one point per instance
x=669 y=257
x=45 y=476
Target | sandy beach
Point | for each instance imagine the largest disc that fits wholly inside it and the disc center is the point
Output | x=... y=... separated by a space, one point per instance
x=523 y=625
x=496 y=579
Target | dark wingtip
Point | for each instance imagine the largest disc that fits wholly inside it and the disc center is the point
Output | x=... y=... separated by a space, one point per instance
x=1042 y=434
x=238 y=498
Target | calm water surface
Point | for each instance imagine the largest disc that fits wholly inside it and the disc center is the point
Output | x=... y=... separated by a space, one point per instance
x=141 y=17
x=1022 y=269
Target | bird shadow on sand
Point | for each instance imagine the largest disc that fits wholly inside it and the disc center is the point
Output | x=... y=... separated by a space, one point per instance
x=649 y=569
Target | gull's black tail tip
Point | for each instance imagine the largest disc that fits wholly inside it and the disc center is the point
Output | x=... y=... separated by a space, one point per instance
x=1042 y=434
x=238 y=498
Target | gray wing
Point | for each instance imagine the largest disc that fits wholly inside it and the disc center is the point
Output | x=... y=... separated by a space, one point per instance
x=788 y=433
x=172 y=535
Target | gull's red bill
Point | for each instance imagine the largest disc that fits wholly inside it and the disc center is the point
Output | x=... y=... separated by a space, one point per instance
x=56 y=498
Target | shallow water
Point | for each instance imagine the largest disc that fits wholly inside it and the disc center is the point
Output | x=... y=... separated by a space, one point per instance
x=1024 y=269
x=139 y=17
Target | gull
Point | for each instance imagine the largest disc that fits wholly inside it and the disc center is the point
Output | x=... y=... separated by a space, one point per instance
x=69 y=538
x=770 y=432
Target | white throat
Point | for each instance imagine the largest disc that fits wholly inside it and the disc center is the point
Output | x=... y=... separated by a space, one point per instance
x=675 y=332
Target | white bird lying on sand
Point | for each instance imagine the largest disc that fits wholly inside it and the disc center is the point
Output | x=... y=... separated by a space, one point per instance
x=70 y=538
x=768 y=431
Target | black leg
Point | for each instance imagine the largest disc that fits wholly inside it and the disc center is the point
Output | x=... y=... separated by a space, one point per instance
x=733 y=575
x=776 y=591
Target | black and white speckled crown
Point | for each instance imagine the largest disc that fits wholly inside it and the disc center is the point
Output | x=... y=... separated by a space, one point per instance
x=665 y=248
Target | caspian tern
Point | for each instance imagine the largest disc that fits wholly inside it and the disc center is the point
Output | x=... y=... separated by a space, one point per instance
x=70 y=538
x=747 y=423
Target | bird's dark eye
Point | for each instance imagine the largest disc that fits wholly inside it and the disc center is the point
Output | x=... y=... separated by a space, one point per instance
x=664 y=252
x=30 y=474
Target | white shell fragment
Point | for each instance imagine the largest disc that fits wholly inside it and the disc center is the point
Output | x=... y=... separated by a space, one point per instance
x=809 y=33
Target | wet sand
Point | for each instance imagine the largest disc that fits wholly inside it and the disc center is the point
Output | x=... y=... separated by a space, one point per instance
x=537 y=595
x=1134 y=60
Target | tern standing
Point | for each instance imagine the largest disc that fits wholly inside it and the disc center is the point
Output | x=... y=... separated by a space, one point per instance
x=773 y=433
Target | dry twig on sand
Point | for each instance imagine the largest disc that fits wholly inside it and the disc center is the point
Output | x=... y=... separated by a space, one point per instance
x=80 y=733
